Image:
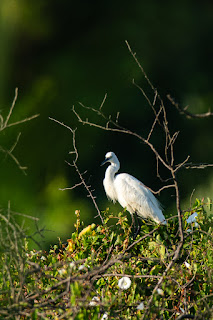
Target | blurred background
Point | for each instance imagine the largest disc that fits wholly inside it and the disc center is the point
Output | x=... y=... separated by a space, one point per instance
x=60 y=53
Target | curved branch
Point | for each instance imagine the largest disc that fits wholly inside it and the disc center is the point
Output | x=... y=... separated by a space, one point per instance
x=188 y=114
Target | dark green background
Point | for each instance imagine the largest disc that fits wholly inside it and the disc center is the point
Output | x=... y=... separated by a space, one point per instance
x=61 y=52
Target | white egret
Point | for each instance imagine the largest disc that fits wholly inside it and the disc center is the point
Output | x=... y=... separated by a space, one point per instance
x=130 y=193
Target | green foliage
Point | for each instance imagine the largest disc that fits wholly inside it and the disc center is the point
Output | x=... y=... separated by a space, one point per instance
x=80 y=279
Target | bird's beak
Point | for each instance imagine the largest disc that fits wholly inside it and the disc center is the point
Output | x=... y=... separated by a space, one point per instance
x=105 y=161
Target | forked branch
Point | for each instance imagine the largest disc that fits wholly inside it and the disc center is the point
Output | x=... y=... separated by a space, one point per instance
x=4 y=124
x=74 y=164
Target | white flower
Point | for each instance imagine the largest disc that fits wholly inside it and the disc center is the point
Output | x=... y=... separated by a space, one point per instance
x=81 y=267
x=72 y=265
x=160 y=291
x=43 y=258
x=192 y=218
x=140 y=306
x=189 y=230
x=95 y=301
x=124 y=283
x=62 y=271
x=178 y=313
x=187 y=265
x=105 y=316
x=33 y=253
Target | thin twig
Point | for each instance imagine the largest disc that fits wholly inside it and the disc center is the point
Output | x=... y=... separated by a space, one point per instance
x=74 y=164
x=11 y=109
x=188 y=114
x=190 y=165
x=87 y=188
x=5 y=124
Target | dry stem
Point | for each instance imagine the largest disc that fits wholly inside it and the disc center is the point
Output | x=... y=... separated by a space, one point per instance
x=4 y=124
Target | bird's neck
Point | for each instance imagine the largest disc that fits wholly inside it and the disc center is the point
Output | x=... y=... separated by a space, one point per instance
x=109 y=182
x=110 y=172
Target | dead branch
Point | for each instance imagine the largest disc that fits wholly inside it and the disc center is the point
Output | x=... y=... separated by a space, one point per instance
x=11 y=155
x=161 y=189
x=4 y=124
x=190 y=165
x=188 y=114
x=75 y=152
x=88 y=189
x=74 y=164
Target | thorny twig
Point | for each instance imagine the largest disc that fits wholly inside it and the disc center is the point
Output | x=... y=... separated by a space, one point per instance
x=188 y=114
x=11 y=155
x=74 y=164
x=4 y=124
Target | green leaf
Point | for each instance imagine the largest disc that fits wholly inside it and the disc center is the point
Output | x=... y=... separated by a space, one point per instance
x=162 y=252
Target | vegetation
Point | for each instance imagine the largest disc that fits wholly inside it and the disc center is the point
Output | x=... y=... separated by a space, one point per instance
x=102 y=272
x=80 y=279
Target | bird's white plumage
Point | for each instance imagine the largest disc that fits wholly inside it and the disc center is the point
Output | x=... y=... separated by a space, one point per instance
x=130 y=192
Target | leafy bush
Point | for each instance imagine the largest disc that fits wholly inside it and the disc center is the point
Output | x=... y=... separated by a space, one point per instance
x=80 y=279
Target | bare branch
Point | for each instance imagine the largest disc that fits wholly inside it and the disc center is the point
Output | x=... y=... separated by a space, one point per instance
x=11 y=109
x=103 y=102
x=191 y=165
x=82 y=181
x=161 y=189
x=70 y=188
x=22 y=121
x=4 y=124
x=73 y=135
x=87 y=188
x=11 y=155
x=188 y=114
x=154 y=123
x=146 y=97
x=181 y=164
x=139 y=65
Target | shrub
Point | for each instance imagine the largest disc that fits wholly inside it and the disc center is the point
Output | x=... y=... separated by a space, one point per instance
x=82 y=278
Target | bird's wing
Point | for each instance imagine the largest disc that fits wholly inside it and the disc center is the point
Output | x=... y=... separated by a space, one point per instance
x=133 y=195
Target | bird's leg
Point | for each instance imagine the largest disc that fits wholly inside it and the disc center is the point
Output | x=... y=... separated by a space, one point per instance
x=133 y=221
x=133 y=225
x=137 y=226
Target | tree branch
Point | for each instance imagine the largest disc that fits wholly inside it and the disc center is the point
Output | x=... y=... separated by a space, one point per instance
x=188 y=114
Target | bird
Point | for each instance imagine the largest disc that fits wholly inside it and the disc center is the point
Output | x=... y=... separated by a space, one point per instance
x=131 y=193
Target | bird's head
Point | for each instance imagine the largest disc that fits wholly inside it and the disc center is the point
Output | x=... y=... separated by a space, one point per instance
x=110 y=157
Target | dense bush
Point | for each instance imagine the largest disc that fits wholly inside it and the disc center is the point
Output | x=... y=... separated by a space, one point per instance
x=101 y=272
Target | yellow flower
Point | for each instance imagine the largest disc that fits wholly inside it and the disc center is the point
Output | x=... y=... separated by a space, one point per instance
x=86 y=230
x=70 y=246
